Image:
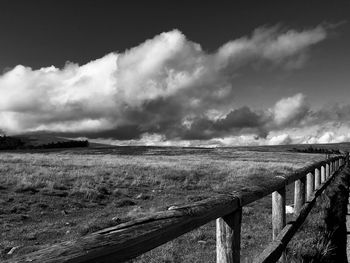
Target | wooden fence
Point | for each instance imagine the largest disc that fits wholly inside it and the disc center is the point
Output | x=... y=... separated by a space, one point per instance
x=133 y=238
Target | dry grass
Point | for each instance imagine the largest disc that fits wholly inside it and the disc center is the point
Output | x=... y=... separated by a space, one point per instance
x=82 y=173
x=111 y=187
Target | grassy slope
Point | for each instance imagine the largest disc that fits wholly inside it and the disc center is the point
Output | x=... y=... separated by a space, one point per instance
x=54 y=196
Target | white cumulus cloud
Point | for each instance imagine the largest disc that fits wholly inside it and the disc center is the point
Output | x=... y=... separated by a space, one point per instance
x=290 y=110
x=166 y=86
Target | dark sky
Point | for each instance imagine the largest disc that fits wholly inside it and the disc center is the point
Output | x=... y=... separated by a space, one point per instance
x=50 y=32
x=293 y=65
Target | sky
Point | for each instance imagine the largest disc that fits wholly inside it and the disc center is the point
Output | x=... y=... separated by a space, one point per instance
x=187 y=73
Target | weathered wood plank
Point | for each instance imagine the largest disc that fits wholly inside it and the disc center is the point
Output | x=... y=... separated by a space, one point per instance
x=258 y=191
x=275 y=248
x=228 y=238
x=128 y=240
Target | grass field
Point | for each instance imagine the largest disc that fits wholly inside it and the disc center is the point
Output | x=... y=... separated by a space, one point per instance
x=52 y=196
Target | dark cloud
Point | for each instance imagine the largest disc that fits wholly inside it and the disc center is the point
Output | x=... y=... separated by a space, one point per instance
x=167 y=85
x=241 y=118
x=238 y=121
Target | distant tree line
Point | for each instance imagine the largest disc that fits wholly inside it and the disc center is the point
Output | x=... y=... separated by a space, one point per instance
x=65 y=144
x=311 y=149
x=11 y=143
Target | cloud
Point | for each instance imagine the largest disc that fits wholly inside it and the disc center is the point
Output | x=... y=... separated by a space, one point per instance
x=328 y=137
x=167 y=86
x=272 y=45
x=290 y=110
x=280 y=139
x=237 y=121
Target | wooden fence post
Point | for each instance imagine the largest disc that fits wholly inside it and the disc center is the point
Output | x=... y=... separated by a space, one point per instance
x=317 y=178
x=299 y=195
x=228 y=238
x=309 y=186
x=278 y=214
x=328 y=170
x=278 y=211
x=323 y=174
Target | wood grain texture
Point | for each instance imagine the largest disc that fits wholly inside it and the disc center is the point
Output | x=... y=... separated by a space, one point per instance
x=128 y=240
x=228 y=238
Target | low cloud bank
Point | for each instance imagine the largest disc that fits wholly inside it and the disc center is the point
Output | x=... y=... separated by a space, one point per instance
x=289 y=121
x=165 y=90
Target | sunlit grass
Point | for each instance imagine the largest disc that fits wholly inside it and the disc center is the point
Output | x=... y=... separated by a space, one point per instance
x=163 y=179
x=79 y=172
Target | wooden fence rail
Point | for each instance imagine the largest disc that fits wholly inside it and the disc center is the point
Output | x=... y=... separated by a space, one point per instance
x=274 y=250
x=133 y=238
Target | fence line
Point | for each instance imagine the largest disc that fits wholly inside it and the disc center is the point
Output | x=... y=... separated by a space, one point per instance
x=133 y=238
x=275 y=249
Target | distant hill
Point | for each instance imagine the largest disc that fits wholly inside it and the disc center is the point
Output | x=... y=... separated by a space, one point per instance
x=49 y=141
x=38 y=141
x=327 y=147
